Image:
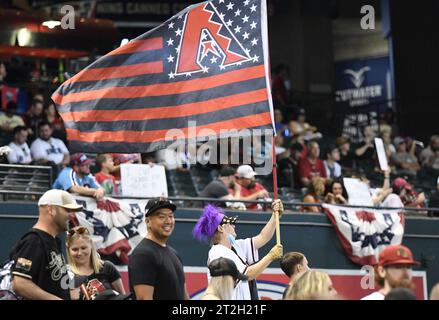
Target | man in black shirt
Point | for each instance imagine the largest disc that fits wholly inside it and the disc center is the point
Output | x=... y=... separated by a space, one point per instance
x=219 y=189
x=155 y=270
x=40 y=271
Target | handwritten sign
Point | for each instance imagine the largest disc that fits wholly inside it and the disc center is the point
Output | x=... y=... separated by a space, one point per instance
x=142 y=180
x=382 y=158
x=358 y=192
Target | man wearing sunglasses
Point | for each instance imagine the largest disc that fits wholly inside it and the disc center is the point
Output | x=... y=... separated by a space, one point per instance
x=155 y=270
x=40 y=271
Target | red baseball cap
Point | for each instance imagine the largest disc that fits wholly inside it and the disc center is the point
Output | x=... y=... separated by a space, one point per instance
x=396 y=254
x=400 y=183
x=79 y=159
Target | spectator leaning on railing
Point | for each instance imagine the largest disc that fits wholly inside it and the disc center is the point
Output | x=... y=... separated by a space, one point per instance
x=78 y=178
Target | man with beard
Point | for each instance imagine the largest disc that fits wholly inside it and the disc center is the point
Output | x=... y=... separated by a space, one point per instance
x=78 y=178
x=250 y=189
x=40 y=271
x=219 y=189
x=155 y=270
x=394 y=270
x=47 y=150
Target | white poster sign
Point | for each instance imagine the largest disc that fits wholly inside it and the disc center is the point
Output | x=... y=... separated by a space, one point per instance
x=143 y=180
x=358 y=192
x=379 y=145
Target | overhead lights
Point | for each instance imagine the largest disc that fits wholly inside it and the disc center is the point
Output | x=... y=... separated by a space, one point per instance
x=23 y=37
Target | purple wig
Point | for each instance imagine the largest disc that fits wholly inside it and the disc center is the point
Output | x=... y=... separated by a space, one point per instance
x=208 y=223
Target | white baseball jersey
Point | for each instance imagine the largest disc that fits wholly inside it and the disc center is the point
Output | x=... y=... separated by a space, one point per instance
x=246 y=254
x=19 y=154
x=374 y=296
x=53 y=150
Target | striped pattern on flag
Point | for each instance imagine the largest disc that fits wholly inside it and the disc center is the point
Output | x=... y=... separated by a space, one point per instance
x=128 y=100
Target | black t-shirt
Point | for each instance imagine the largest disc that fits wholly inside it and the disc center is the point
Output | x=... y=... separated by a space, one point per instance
x=159 y=267
x=38 y=257
x=104 y=278
x=368 y=158
x=215 y=189
x=347 y=161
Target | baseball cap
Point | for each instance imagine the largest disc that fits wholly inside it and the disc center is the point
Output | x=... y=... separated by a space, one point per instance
x=398 y=140
x=59 y=198
x=158 y=203
x=400 y=183
x=225 y=267
x=246 y=171
x=227 y=171
x=79 y=159
x=396 y=254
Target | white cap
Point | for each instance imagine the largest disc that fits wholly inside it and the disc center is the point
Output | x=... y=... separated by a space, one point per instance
x=59 y=198
x=246 y=171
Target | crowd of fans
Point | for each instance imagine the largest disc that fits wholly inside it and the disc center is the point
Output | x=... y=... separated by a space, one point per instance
x=308 y=162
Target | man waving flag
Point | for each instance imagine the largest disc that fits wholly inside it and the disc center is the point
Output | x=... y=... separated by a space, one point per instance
x=207 y=65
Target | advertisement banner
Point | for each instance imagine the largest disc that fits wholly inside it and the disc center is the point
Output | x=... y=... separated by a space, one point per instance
x=272 y=283
x=363 y=91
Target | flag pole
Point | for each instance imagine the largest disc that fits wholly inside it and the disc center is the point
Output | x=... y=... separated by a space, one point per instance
x=276 y=195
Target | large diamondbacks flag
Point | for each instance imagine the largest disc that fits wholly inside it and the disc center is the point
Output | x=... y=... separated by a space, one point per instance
x=206 y=68
x=364 y=233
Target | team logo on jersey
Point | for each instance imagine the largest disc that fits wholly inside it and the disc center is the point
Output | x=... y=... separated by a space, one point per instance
x=24 y=264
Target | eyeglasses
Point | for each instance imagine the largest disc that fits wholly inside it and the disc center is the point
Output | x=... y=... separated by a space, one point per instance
x=78 y=230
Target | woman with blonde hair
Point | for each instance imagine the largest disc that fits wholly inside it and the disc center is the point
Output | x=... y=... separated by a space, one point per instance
x=225 y=275
x=84 y=261
x=316 y=190
x=312 y=285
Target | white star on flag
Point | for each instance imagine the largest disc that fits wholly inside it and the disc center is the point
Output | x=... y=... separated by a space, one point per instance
x=237 y=29
x=245 y=19
x=177 y=49
x=254 y=42
x=237 y=13
x=229 y=23
x=221 y=1
x=213 y=60
x=222 y=16
x=255 y=58
x=245 y=35
x=253 y=8
x=170 y=59
x=171 y=75
x=230 y=6
x=178 y=32
x=205 y=69
x=253 y=25
x=170 y=42
x=246 y=2
x=171 y=25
